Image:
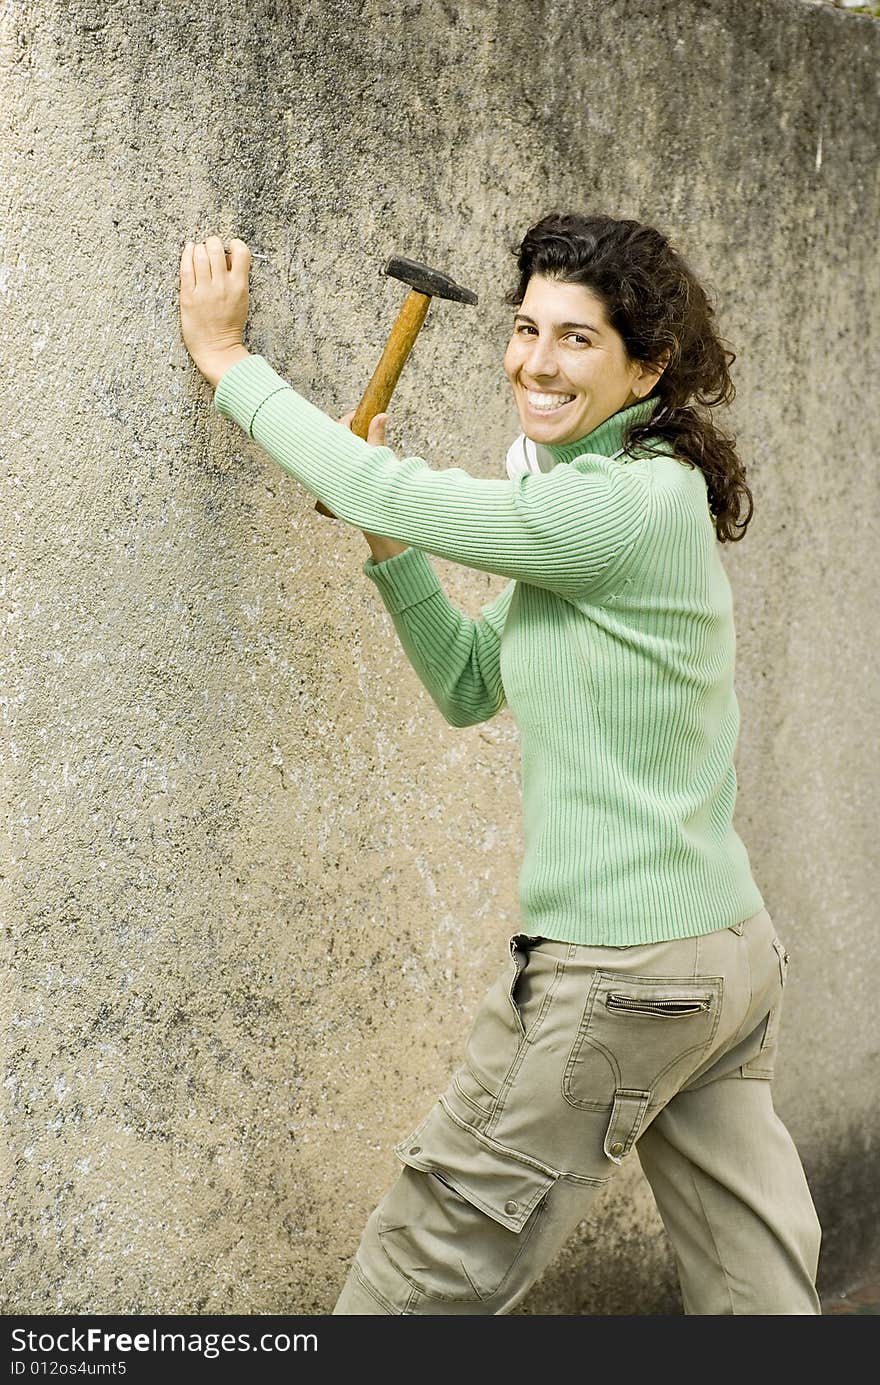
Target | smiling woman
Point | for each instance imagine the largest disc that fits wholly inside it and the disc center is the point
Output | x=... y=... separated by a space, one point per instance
x=569 y=375
x=639 y=1008
x=610 y=313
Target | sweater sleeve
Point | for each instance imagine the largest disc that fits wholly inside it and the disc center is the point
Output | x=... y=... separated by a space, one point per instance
x=458 y=659
x=560 y=529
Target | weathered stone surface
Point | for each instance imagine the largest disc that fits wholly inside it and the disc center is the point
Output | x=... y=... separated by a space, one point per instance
x=253 y=885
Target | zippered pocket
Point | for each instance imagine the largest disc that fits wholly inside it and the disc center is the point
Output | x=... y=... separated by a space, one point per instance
x=667 y=1009
x=643 y=1034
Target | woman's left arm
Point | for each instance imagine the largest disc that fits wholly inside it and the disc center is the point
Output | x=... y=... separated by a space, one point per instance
x=561 y=530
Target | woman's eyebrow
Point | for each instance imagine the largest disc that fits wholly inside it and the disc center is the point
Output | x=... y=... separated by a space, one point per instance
x=563 y=326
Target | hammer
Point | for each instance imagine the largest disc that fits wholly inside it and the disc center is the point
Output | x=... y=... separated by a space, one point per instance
x=425 y=284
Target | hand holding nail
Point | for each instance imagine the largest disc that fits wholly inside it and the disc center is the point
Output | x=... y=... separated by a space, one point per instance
x=214 y=302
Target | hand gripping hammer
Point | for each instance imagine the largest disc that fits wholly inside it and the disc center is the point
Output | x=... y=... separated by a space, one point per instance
x=425 y=284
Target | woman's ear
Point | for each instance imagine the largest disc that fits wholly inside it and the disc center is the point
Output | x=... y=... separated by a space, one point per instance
x=648 y=375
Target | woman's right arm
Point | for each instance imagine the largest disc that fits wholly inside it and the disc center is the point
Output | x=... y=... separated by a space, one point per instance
x=458 y=659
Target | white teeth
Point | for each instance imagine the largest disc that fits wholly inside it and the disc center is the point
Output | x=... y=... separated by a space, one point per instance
x=547 y=402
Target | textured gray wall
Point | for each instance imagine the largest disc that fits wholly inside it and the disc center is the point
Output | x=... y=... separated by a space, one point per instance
x=253 y=885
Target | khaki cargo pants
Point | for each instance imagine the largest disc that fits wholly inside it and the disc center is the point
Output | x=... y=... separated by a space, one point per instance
x=577 y=1056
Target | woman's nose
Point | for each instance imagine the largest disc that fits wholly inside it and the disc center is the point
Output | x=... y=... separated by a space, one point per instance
x=542 y=357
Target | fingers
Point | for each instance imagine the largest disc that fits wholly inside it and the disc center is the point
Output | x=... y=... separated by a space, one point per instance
x=216 y=256
x=187 y=268
x=201 y=264
x=240 y=255
x=376 y=430
x=206 y=260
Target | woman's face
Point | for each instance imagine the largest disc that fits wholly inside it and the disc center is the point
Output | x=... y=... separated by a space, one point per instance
x=568 y=367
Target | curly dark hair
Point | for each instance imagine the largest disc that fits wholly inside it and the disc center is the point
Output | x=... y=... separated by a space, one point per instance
x=654 y=300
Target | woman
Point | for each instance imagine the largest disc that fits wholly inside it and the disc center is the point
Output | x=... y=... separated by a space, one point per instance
x=640 y=1005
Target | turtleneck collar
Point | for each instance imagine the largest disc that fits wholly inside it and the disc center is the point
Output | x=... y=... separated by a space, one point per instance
x=608 y=437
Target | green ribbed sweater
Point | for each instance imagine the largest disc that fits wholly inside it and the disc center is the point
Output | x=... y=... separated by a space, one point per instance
x=613 y=646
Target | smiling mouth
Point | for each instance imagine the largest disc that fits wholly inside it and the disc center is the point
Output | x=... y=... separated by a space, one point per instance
x=541 y=403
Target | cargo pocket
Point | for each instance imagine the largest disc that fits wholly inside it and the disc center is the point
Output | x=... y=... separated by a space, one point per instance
x=460 y=1214
x=643 y=1034
x=764 y=1062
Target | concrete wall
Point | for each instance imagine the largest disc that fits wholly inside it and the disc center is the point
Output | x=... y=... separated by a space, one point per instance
x=253 y=885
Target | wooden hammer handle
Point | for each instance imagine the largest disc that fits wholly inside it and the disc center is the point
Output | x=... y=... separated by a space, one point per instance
x=378 y=393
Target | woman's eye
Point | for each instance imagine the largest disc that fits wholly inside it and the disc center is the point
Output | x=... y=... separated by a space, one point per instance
x=581 y=341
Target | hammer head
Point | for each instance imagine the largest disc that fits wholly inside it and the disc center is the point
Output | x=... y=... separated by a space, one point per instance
x=426 y=280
